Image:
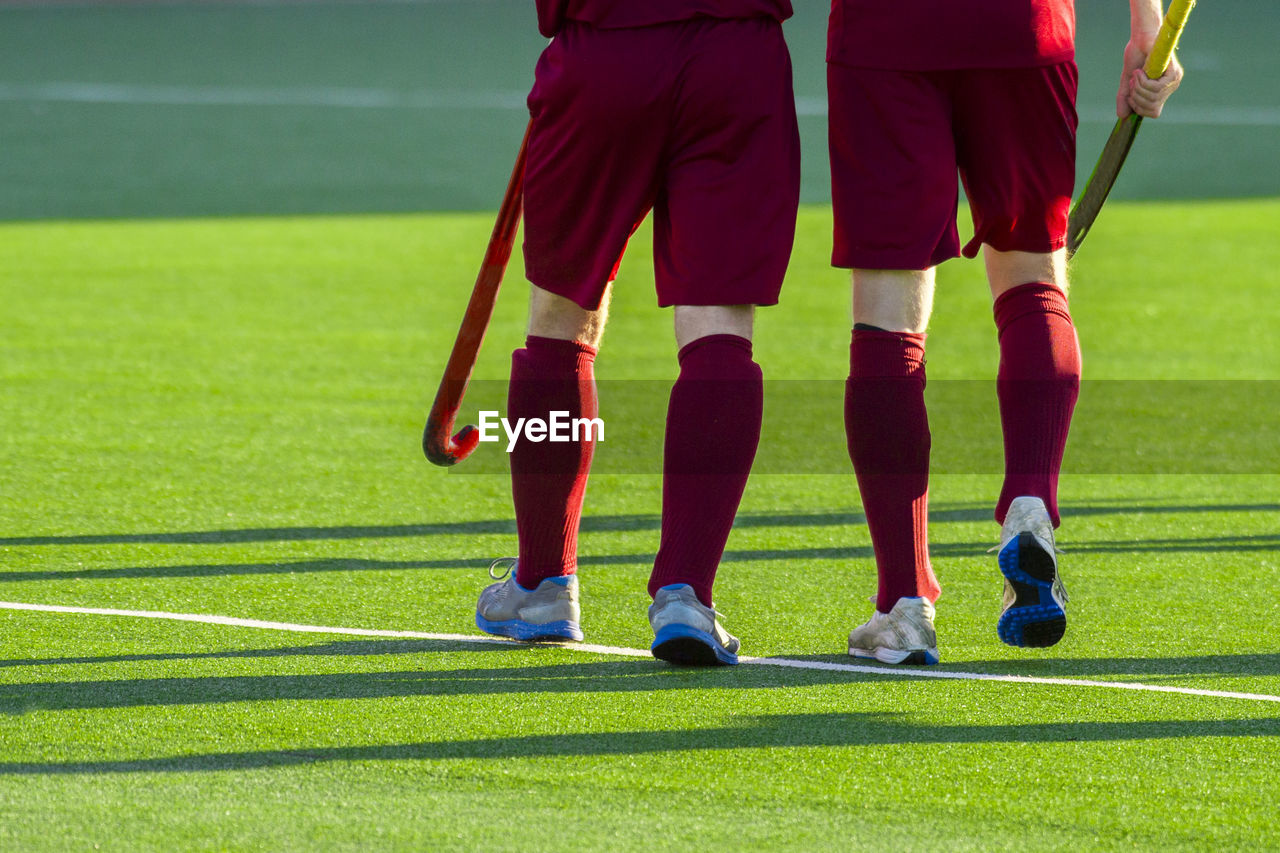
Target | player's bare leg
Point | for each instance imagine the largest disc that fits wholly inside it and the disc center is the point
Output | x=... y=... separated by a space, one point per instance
x=894 y=300
x=1007 y=270
x=553 y=316
x=713 y=429
x=888 y=436
x=553 y=372
x=1037 y=384
x=699 y=321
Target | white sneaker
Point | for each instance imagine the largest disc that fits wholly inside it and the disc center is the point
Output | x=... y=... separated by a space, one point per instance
x=903 y=635
x=1034 y=612
x=549 y=612
x=685 y=630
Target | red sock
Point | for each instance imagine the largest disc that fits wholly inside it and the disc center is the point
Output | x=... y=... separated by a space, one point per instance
x=549 y=479
x=1038 y=382
x=713 y=429
x=888 y=433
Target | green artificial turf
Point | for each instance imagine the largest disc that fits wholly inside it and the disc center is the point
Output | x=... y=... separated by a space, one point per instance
x=223 y=416
x=177 y=108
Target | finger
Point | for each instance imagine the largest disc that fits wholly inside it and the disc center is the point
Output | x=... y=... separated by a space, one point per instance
x=1147 y=112
x=1147 y=97
x=1171 y=77
x=1148 y=94
x=1151 y=93
x=1122 y=96
x=1166 y=83
x=1145 y=106
x=1122 y=101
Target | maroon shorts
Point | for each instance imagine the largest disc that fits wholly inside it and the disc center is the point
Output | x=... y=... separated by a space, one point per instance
x=898 y=139
x=694 y=120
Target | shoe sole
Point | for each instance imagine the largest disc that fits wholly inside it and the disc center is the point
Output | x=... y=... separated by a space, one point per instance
x=1035 y=619
x=528 y=632
x=686 y=646
x=914 y=657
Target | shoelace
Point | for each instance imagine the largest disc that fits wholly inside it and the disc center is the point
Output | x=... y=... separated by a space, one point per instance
x=500 y=568
x=716 y=615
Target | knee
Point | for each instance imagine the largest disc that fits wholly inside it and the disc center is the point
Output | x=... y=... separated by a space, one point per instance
x=1007 y=270
x=699 y=321
x=893 y=300
x=554 y=316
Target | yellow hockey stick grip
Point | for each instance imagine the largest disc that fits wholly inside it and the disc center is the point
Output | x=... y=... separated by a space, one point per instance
x=1167 y=39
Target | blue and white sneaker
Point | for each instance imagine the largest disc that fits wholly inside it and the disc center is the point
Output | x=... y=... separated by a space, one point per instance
x=685 y=630
x=549 y=612
x=904 y=635
x=1035 y=601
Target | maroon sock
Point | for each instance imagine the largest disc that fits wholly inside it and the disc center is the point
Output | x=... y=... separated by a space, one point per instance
x=1038 y=382
x=549 y=479
x=713 y=429
x=888 y=433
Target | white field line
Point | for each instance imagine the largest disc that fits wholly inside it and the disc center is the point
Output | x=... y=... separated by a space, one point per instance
x=234 y=96
x=508 y=100
x=910 y=672
x=28 y=5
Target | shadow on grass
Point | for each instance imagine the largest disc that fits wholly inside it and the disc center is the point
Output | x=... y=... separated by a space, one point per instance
x=636 y=675
x=341 y=648
x=944 y=550
x=761 y=732
x=1242 y=665
x=588 y=677
x=590 y=524
x=1266 y=664
x=205 y=570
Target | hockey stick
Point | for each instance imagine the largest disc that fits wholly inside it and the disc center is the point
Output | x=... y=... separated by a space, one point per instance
x=437 y=442
x=1121 y=140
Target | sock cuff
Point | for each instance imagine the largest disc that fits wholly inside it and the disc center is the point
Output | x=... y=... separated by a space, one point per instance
x=886 y=355
x=720 y=344
x=1037 y=297
x=557 y=356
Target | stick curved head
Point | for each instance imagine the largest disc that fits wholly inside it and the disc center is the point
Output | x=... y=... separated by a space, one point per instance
x=442 y=450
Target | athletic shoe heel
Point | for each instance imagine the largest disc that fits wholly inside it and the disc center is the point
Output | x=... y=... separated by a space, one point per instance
x=686 y=632
x=1034 y=613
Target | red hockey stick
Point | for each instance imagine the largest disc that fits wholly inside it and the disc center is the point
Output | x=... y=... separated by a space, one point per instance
x=437 y=444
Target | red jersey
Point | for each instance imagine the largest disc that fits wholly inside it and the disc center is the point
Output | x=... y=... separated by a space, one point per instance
x=619 y=14
x=936 y=35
